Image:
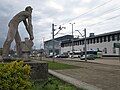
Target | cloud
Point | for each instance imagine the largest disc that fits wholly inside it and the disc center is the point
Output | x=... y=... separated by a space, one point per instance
x=44 y=22
x=86 y=1
x=55 y=5
x=79 y=10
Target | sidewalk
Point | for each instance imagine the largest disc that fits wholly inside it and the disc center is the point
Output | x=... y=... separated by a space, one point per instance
x=73 y=81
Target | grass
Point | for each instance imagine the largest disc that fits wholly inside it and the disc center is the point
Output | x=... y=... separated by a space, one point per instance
x=59 y=66
x=54 y=84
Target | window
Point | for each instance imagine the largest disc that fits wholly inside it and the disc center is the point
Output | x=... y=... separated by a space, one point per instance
x=104 y=38
x=118 y=37
x=105 y=50
x=113 y=37
x=80 y=42
x=75 y=43
x=108 y=38
x=97 y=40
x=100 y=39
x=94 y=40
x=83 y=41
x=91 y=41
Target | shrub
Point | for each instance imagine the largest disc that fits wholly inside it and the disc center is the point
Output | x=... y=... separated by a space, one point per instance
x=15 y=76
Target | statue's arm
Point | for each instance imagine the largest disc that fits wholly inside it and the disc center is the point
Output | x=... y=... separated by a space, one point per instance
x=30 y=27
x=26 y=25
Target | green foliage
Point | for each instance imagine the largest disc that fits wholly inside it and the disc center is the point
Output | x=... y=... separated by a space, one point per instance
x=15 y=76
x=54 y=83
x=59 y=66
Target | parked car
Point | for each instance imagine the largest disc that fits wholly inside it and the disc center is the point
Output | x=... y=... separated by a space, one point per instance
x=62 y=56
x=50 y=56
x=89 y=57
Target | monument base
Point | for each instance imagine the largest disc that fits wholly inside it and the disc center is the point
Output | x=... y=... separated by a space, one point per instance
x=39 y=70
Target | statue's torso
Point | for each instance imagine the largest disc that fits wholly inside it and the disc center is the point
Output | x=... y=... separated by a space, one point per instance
x=19 y=17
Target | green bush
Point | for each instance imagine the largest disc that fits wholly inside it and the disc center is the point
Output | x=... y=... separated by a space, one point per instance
x=15 y=76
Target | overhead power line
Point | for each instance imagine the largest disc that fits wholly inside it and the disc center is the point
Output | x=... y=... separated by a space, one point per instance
x=88 y=11
x=104 y=20
x=104 y=13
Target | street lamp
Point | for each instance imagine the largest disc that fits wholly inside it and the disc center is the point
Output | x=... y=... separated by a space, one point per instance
x=72 y=40
x=84 y=42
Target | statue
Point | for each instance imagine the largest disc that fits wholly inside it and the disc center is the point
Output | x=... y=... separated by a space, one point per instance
x=26 y=17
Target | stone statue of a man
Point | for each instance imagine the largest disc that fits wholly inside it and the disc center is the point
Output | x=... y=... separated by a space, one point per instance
x=26 y=17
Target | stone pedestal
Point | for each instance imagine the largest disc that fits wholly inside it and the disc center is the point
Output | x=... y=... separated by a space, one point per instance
x=39 y=70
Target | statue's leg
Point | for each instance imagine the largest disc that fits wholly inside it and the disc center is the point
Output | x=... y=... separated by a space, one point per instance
x=18 y=44
x=8 y=41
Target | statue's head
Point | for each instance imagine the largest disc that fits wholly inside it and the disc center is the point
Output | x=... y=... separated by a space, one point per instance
x=29 y=9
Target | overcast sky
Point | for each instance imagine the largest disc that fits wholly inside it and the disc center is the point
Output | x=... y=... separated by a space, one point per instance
x=97 y=16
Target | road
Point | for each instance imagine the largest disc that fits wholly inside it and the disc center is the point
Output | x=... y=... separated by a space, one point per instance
x=103 y=76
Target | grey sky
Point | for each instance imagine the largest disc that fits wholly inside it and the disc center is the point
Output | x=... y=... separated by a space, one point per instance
x=46 y=12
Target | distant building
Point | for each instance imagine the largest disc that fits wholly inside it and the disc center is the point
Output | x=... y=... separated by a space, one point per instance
x=103 y=42
x=48 y=45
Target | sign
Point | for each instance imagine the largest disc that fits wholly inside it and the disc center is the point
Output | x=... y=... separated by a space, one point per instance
x=116 y=45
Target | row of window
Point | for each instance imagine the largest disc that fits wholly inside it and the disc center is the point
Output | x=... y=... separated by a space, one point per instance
x=108 y=38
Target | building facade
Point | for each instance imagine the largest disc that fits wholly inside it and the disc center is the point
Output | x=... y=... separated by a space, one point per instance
x=48 y=45
x=103 y=42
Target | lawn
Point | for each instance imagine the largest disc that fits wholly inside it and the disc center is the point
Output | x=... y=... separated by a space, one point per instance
x=54 y=84
x=59 y=66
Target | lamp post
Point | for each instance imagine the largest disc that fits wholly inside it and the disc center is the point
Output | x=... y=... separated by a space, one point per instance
x=84 y=42
x=72 y=40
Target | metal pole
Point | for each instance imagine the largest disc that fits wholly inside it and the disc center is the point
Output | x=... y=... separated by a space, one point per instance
x=85 y=45
x=72 y=40
x=53 y=41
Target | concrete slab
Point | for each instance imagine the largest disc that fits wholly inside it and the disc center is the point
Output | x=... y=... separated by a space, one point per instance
x=74 y=81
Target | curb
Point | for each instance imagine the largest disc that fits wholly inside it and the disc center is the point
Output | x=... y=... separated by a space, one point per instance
x=73 y=81
x=90 y=62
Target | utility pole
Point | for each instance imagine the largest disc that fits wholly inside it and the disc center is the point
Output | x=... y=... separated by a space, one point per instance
x=53 y=42
x=72 y=40
x=85 y=45
x=53 y=39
